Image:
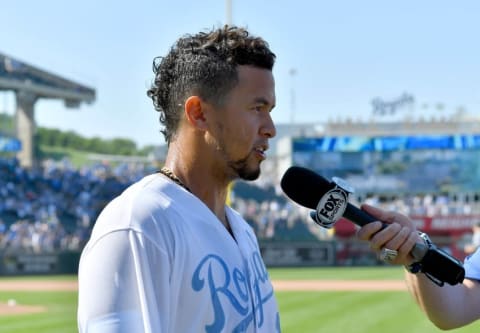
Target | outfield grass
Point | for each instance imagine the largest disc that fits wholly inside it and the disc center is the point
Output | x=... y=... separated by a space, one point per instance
x=355 y=312
x=351 y=312
x=300 y=312
x=59 y=318
x=337 y=273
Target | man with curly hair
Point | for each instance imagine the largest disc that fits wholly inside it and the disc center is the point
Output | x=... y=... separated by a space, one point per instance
x=168 y=255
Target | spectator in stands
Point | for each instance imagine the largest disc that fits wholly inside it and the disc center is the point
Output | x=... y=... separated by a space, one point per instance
x=3 y=229
x=472 y=246
x=448 y=307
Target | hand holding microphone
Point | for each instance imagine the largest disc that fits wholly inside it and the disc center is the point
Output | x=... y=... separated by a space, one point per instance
x=329 y=200
x=401 y=235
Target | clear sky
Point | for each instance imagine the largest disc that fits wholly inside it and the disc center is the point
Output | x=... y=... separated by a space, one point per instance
x=344 y=53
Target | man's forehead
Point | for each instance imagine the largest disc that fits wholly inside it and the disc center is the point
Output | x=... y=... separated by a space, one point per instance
x=258 y=82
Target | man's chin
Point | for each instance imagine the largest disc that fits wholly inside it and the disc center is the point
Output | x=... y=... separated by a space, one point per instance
x=249 y=174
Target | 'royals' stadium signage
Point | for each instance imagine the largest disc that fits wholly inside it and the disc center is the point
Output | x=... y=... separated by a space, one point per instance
x=382 y=108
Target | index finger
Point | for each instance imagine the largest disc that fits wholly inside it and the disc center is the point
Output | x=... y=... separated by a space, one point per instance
x=388 y=217
x=379 y=213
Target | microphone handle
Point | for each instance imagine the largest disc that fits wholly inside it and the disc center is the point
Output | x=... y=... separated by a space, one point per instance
x=437 y=265
x=361 y=218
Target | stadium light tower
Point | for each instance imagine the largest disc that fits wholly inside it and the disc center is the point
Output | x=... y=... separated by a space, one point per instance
x=292 y=72
x=228 y=12
x=29 y=85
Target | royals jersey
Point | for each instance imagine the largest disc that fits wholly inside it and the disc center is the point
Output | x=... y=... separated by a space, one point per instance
x=159 y=260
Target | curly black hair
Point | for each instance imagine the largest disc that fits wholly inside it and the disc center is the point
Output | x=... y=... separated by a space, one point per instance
x=204 y=64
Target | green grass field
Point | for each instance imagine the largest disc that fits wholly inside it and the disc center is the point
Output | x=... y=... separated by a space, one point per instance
x=61 y=309
x=351 y=312
x=60 y=318
x=345 y=312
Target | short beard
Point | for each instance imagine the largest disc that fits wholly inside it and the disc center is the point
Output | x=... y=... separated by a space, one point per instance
x=240 y=167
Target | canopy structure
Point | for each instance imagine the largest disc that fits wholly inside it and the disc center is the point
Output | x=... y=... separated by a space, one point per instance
x=30 y=84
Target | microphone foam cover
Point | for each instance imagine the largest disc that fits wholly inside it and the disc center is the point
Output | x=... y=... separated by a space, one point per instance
x=304 y=186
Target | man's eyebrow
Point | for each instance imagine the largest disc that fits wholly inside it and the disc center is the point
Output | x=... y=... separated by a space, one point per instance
x=262 y=100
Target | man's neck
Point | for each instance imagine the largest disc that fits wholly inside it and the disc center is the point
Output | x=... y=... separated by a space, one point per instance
x=196 y=173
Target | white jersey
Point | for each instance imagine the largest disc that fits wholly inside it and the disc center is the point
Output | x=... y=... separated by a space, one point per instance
x=472 y=266
x=159 y=260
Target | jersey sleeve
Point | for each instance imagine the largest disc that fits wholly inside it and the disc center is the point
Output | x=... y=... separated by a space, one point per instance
x=123 y=285
x=472 y=266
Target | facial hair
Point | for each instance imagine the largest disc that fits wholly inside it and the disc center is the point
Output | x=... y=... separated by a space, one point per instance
x=240 y=167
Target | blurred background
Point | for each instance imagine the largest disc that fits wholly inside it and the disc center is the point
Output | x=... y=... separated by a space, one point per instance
x=383 y=95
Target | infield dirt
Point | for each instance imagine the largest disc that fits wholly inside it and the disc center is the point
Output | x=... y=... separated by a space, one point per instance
x=279 y=285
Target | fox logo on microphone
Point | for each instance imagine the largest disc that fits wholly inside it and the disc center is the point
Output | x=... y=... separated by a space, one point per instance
x=331 y=207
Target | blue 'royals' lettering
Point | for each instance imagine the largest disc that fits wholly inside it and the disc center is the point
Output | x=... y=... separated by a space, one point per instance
x=213 y=273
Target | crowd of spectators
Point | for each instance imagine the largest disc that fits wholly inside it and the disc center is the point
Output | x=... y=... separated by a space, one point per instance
x=53 y=207
x=274 y=217
x=427 y=205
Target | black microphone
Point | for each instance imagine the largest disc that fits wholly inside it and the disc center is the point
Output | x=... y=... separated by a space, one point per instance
x=330 y=202
x=306 y=188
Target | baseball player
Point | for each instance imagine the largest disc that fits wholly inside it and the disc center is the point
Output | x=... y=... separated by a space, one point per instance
x=168 y=255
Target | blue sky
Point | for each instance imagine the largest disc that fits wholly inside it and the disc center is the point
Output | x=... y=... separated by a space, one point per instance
x=345 y=53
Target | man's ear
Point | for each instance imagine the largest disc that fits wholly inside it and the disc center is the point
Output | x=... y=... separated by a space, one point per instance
x=195 y=112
